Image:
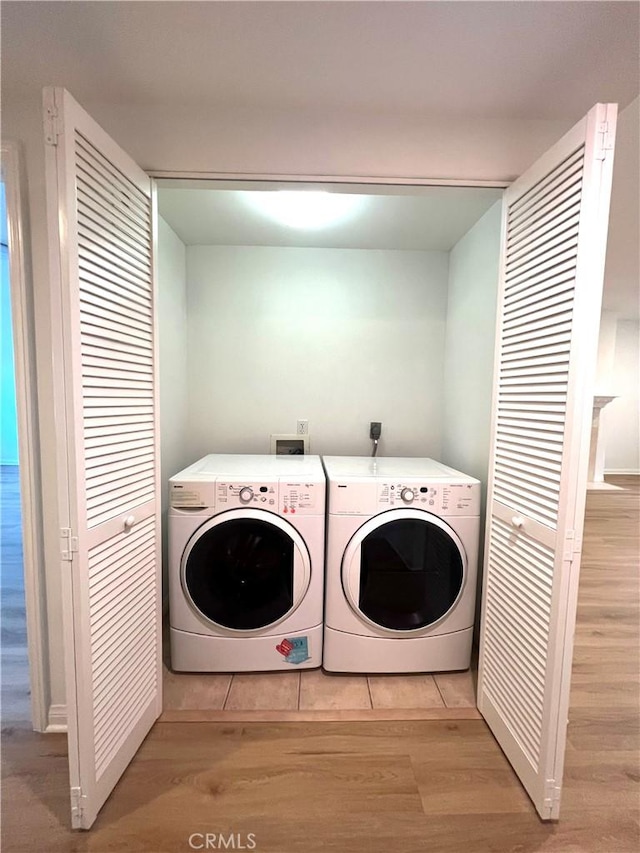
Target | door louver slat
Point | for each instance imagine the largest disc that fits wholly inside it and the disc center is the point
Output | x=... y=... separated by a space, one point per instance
x=102 y=258
x=527 y=204
x=112 y=351
x=104 y=335
x=114 y=567
x=110 y=244
x=547 y=251
x=548 y=233
x=514 y=633
x=114 y=318
x=103 y=210
x=132 y=318
x=536 y=303
x=101 y=219
x=555 y=207
x=552 y=265
x=126 y=196
x=117 y=294
x=540 y=280
x=101 y=271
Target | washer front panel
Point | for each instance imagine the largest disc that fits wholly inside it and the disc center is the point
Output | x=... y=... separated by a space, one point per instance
x=404 y=570
x=245 y=570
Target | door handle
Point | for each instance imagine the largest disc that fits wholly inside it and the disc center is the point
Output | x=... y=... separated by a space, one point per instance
x=129 y=521
x=517 y=521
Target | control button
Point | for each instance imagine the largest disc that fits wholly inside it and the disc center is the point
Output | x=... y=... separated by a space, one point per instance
x=246 y=494
x=263 y=499
x=293 y=509
x=423 y=489
x=263 y=489
x=407 y=495
x=285 y=510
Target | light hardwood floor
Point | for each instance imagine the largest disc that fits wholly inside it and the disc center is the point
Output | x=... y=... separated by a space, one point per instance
x=379 y=787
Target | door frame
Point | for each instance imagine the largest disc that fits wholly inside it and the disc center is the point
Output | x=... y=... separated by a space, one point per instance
x=12 y=173
x=158 y=177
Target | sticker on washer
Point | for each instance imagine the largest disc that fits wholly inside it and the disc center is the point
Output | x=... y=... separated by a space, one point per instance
x=294 y=649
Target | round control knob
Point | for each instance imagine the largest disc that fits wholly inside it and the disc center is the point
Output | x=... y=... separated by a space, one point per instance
x=407 y=495
x=246 y=494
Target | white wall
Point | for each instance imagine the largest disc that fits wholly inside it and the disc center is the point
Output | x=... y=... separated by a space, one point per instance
x=622 y=268
x=172 y=329
x=317 y=141
x=605 y=372
x=338 y=336
x=469 y=356
x=621 y=418
x=469 y=350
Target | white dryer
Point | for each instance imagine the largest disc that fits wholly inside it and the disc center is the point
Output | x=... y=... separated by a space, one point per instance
x=246 y=563
x=402 y=554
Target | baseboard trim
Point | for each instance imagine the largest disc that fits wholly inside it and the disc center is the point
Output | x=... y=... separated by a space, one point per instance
x=57 y=718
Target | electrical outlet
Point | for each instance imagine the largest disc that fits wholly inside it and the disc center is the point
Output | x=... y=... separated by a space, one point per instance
x=303 y=427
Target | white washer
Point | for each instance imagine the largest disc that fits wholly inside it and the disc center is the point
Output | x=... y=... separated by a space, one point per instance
x=246 y=563
x=402 y=553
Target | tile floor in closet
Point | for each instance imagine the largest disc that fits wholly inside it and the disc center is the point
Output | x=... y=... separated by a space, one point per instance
x=318 y=691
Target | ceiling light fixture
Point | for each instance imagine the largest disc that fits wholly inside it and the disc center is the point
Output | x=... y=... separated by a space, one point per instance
x=305 y=209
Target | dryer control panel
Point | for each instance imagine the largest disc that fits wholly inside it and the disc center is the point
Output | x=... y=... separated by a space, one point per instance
x=232 y=493
x=439 y=498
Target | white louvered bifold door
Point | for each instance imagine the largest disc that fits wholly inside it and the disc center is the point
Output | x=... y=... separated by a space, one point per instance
x=101 y=210
x=554 y=238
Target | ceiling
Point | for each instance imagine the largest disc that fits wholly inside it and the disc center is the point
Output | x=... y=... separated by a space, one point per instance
x=531 y=60
x=518 y=61
x=419 y=219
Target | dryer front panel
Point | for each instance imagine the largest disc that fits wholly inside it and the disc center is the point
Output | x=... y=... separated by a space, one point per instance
x=404 y=570
x=245 y=570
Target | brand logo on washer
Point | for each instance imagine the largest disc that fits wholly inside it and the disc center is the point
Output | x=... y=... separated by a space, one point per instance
x=294 y=649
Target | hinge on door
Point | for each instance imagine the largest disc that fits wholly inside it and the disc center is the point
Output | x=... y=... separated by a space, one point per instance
x=551 y=795
x=52 y=126
x=76 y=807
x=605 y=141
x=572 y=546
x=69 y=544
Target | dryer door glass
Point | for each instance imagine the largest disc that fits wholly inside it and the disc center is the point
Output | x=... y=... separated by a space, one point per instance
x=239 y=574
x=411 y=573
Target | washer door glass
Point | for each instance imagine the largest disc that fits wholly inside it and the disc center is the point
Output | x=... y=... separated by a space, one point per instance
x=405 y=573
x=240 y=573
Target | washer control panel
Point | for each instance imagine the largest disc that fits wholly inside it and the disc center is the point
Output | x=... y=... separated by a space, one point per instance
x=439 y=498
x=235 y=493
x=301 y=498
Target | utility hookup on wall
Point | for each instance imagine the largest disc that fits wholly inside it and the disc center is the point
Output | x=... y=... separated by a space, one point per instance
x=302 y=427
x=375 y=430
